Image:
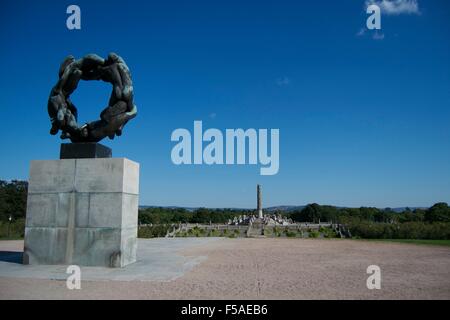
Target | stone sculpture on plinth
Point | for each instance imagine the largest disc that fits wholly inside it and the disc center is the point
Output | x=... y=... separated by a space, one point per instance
x=82 y=209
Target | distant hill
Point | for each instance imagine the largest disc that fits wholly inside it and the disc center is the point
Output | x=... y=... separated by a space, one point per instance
x=285 y=208
x=170 y=207
x=190 y=209
x=294 y=208
x=401 y=209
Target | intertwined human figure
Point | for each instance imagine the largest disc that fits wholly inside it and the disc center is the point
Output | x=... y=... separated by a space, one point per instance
x=121 y=108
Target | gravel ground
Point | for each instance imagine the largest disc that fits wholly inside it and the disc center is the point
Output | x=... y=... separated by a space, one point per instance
x=270 y=269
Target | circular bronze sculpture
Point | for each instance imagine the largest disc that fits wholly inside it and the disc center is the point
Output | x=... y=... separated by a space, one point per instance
x=63 y=113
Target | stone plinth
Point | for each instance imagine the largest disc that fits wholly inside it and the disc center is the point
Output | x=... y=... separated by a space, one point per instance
x=84 y=150
x=83 y=212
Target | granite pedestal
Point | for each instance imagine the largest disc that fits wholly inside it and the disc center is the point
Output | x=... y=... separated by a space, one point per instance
x=83 y=212
x=84 y=150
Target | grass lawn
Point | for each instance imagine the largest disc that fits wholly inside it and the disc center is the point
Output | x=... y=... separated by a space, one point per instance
x=414 y=241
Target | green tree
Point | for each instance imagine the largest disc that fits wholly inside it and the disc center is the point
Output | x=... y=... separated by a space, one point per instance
x=438 y=212
x=13 y=199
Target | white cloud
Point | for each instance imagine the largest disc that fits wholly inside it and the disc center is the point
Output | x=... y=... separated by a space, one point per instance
x=378 y=36
x=285 y=81
x=361 y=32
x=396 y=7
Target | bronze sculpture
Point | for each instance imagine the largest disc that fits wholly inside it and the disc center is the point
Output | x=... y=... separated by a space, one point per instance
x=121 y=108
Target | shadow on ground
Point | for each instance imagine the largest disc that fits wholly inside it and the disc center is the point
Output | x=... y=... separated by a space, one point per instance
x=11 y=256
x=159 y=259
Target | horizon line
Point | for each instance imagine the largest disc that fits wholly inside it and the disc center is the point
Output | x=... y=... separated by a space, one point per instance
x=275 y=206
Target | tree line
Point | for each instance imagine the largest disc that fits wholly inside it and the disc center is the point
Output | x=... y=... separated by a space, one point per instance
x=364 y=222
x=440 y=212
x=161 y=215
x=374 y=223
x=13 y=199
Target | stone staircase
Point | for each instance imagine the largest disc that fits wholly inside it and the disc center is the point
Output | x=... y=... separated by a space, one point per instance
x=255 y=229
x=342 y=230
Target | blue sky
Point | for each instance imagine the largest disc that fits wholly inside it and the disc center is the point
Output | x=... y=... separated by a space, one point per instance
x=363 y=116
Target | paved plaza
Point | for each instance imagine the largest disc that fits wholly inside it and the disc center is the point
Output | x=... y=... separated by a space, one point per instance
x=222 y=268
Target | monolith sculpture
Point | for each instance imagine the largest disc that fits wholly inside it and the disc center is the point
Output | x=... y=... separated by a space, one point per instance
x=259 y=202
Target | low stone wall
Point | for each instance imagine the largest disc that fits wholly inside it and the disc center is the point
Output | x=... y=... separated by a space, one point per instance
x=300 y=230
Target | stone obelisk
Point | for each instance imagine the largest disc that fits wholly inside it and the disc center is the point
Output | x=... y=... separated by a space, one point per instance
x=259 y=206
